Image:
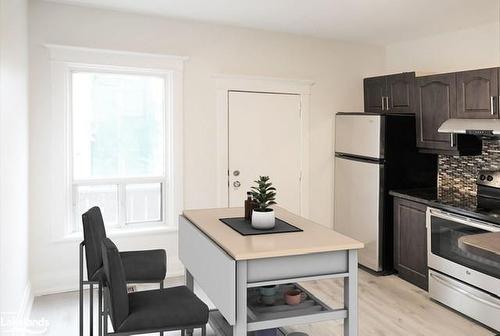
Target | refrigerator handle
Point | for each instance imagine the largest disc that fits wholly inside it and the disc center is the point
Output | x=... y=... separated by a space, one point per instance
x=359 y=158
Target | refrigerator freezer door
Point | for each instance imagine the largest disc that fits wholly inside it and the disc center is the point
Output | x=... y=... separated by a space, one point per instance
x=359 y=135
x=357 y=206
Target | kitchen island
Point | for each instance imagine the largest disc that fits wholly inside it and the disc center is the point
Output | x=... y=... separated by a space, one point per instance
x=485 y=244
x=228 y=266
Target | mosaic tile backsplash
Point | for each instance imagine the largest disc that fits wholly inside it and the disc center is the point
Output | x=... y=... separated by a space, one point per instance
x=457 y=174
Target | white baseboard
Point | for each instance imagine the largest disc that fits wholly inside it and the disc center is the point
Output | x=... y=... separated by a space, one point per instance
x=16 y=322
x=67 y=281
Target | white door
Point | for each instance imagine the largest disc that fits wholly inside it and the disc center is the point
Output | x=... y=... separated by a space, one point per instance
x=357 y=206
x=264 y=139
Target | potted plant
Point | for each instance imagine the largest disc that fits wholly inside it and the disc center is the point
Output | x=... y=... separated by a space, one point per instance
x=264 y=195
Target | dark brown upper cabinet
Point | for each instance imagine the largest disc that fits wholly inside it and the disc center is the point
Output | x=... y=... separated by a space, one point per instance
x=436 y=102
x=400 y=92
x=477 y=94
x=375 y=90
x=389 y=94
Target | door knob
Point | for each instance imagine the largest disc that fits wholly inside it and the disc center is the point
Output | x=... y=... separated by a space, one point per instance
x=236 y=184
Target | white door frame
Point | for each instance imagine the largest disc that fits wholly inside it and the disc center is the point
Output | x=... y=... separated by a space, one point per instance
x=228 y=83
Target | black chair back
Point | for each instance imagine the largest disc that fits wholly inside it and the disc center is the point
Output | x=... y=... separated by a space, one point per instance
x=115 y=275
x=93 y=234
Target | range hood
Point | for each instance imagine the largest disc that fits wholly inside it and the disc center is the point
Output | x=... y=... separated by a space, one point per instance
x=479 y=127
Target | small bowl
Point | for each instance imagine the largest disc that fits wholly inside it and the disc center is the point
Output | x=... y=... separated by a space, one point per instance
x=267 y=332
x=268 y=290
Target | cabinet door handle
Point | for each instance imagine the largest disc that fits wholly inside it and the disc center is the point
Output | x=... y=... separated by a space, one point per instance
x=387 y=103
x=492 y=105
x=452 y=140
x=382 y=102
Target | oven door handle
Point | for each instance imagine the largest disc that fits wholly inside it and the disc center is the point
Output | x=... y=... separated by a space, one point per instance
x=464 y=220
x=450 y=285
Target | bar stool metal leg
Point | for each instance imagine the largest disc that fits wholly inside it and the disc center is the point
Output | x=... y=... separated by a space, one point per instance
x=91 y=309
x=81 y=308
x=190 y=285
x=161 y=287
x=81 y=289
x=100 y=308
x=204 y=331
x=105 y=313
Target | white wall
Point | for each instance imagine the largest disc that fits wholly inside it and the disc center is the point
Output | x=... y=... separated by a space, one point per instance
x=336 y=67
x=467 y=49
x=14 y=284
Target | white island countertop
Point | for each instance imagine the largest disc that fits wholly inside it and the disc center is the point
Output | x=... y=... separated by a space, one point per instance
x=314 y=238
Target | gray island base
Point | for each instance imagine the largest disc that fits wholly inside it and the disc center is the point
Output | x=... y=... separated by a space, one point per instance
x=229 y=273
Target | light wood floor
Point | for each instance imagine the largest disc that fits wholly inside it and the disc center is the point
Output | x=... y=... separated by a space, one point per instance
x=388 y=307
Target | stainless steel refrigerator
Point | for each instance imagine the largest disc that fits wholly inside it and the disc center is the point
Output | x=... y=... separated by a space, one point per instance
x=375 y=153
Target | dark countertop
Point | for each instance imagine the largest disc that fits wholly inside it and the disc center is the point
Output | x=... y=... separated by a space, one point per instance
x=454 y=203
x=416 y=195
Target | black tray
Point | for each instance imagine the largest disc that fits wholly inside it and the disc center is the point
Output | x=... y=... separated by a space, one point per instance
x=244 y=227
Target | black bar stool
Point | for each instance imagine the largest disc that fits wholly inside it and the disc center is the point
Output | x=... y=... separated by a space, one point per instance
x=176 y=308
x=148 y=266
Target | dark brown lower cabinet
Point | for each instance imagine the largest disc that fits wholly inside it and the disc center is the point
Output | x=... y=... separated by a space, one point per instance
x=410 y=242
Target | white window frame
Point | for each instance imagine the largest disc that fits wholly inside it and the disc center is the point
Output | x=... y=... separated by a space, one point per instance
x=66 y=60
x=166 y=206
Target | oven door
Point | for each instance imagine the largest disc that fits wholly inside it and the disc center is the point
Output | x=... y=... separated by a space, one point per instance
x=446 y=255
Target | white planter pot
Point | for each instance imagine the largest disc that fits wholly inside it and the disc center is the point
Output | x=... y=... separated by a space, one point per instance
x=263 y=220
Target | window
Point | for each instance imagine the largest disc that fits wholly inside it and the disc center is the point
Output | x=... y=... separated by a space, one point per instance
x=115 y=137
x=119 y=146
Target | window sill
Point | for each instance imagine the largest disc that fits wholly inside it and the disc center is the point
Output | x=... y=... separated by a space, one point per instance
x=124 y=232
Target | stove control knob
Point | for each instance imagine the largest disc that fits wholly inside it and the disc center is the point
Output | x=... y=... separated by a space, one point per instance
x=482 y=177
x=489 y=178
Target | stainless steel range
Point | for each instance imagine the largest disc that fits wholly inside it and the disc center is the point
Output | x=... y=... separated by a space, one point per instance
x=466 y=281
x=488 y=191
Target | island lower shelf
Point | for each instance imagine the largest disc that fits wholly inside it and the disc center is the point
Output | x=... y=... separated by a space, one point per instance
x=262 y=317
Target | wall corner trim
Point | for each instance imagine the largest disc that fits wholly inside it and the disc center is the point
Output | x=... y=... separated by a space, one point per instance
x=26 y=303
